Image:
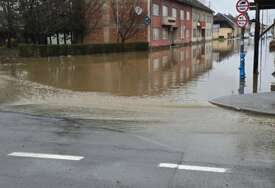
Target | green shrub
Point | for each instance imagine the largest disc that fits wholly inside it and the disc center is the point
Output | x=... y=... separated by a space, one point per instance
x=26 y=50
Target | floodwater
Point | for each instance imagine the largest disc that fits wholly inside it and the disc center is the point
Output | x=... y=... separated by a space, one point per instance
x=161 y=95
x=192 y=73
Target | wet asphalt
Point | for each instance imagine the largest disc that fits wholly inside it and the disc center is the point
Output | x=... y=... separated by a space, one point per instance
x=120 y=153
x=124 y=139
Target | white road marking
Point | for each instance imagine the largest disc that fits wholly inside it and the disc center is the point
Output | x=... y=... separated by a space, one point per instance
x=194 y=168
x=46 y=156
x=167 y=165
x=202 y=168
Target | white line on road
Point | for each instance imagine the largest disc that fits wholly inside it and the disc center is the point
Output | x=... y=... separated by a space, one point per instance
x=46 y=156
x=194 y=168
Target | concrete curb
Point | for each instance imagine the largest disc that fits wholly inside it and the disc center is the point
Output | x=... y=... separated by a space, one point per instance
x=261 y=103
x=245 y=110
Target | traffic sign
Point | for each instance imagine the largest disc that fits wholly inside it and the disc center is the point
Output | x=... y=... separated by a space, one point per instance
x=242 y=20
x=147 y=20
x=242 y=6
x=138 y=10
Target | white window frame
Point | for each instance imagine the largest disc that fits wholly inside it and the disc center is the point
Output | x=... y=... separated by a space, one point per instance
x=174 y=12
x=156 y=10
x=187 y=15
x=182 y=16
x=182 y=32
x=156 y=33
x=165 y=11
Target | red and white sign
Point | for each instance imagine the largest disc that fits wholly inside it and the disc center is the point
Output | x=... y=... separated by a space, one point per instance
x=242 y=6
x=242 y=20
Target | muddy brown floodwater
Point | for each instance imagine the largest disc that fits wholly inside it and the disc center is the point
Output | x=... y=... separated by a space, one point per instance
x=192 y=73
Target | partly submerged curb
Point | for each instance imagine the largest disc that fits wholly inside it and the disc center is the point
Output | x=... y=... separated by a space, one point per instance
x=261 y=104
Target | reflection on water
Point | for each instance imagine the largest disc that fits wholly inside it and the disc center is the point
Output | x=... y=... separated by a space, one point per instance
x=225 y=49
x=197 y=72
x=132 y=74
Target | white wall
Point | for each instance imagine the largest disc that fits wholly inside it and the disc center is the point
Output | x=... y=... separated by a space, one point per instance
x=199 y=15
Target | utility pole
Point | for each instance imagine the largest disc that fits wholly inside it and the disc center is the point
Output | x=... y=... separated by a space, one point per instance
x=242 y=55
x=242 y=20
x=256 y=49
x=242 y=64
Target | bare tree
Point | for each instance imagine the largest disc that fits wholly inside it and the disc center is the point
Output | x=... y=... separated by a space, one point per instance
x=128 y=22
x=10 y=17
x=38 y=20
x=86 y=15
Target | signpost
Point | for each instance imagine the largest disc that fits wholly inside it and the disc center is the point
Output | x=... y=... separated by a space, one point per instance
x=138 y=10
x=242 y=6
x=147 y=20
x=242 y=20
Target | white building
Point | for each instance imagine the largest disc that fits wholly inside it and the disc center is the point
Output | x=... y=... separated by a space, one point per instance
x=202 y=23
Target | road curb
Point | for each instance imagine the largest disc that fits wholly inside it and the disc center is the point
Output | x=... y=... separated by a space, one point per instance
x=240 y=109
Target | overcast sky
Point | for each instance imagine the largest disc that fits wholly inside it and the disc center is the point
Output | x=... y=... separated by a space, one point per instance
x=228 y=6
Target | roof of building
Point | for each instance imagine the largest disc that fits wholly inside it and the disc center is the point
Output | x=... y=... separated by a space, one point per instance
x=196 y=4
x=222 y=18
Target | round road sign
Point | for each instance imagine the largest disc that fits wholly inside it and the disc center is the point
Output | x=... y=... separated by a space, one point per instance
x=242 y=20
x=138 y=10
x=242 y=6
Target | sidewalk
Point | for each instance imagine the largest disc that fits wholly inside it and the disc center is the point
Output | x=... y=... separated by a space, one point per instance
x=263 y=103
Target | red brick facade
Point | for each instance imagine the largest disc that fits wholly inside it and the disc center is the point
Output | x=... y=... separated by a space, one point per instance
x=180 y=33
x=107 y=29
x=158 y=33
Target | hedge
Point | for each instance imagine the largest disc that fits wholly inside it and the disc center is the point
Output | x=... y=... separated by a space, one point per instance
x=27 y=50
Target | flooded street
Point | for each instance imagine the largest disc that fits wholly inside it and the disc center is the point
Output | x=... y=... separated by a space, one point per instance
x=125 y=114
x=192 y=73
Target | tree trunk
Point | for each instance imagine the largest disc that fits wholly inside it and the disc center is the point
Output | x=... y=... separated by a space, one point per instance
x=72 y=39
x=65 y=38
x=57 y=38
x=9 y=40
x=51 y=42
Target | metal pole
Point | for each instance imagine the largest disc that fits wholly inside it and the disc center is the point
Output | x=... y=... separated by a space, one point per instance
x=242 y=57
x=256 y=48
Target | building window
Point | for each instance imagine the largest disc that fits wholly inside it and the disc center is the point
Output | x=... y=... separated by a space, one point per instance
x=178 y=33
x=182 y=55
x=182 y=14
x=164 y=11
x=182 y=32
x=187 y=15
x=174 y=12
x=155 y=10
x=156 y=34
x=164 y=34
x=187 y=34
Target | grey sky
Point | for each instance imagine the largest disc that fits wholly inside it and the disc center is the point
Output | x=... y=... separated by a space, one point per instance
x=228 y=6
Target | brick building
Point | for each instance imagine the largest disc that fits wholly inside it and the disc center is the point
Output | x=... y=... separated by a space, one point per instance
x=171 y=23
x=107 y=28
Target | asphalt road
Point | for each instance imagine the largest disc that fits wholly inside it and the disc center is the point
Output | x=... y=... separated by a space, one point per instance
x=127 y=154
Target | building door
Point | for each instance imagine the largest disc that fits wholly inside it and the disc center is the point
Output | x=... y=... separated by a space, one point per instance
x=172 y=36
x=203 y=34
